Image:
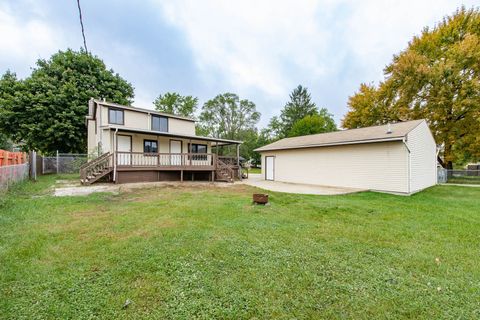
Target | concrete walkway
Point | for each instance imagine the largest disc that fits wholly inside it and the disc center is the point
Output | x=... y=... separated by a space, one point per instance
x=256 y=180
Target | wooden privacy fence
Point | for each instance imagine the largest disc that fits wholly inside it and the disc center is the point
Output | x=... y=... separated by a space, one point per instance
x=12 y=158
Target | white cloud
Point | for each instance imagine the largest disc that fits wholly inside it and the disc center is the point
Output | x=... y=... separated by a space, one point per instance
x=24 y=41
x=249 y=41
x=259 y=49
x=271 y=46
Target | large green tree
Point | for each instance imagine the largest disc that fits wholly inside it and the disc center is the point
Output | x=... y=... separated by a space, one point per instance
x=437 y=77
x=299 y=106
x=227 y=116
x=174 y=103
x=312 y=124
x=47 y=110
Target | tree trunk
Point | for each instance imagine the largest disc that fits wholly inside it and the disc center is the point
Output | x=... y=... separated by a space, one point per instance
x=449 y=165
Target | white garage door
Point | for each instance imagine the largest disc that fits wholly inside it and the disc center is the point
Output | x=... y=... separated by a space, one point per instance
x=269 y=168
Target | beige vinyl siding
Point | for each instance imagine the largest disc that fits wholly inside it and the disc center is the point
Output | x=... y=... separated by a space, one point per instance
x=91 y=136
x=375 y=166
x=423 y=158
x=107 y=141
x=179 y=126
x=142 y=121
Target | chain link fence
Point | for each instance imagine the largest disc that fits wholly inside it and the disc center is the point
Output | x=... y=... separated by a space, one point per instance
x=12 y=174
x=459 y=176
x=63 y=163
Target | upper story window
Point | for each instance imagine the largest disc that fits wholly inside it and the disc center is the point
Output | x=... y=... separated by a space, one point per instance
x=159 y=123
x=115 y=116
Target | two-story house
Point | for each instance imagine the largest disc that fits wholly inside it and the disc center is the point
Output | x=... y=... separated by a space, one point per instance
x=136 y=145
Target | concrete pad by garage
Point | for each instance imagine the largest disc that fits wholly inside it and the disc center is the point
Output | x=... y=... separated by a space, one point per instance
x=256 y=180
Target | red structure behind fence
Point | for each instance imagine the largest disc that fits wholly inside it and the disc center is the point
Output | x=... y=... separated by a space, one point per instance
x=12 y=158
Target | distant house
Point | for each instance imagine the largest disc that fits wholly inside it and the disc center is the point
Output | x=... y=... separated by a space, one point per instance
x=397 y=158
x=136 y=145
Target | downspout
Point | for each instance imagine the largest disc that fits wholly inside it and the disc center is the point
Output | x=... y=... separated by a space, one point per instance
x=408 y=149
x=115 y=155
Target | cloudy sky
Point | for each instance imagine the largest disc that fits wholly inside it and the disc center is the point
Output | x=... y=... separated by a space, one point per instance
x=258 y=49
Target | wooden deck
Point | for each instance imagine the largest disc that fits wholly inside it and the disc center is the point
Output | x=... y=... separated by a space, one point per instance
x=140 y=166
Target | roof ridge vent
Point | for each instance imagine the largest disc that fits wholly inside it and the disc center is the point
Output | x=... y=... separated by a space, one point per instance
x=389 y=128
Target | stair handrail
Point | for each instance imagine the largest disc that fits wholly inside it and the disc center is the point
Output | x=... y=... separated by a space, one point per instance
x=100 y=163
x=94 y=160
x=223 y=166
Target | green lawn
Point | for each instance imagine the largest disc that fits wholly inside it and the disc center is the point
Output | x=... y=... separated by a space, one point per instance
x=205 y=252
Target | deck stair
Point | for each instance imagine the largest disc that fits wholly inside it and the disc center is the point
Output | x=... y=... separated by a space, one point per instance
x=96 y=168
x=224 y=172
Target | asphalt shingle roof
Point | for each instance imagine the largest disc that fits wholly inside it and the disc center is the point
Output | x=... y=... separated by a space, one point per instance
x=352 y=136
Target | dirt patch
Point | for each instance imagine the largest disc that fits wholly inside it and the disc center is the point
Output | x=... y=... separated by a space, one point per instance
x=69 y=188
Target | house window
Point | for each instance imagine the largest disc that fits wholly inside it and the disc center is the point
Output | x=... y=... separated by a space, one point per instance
x=150 y=146
x=198 y=148
x=115 y=116
x=159 y=123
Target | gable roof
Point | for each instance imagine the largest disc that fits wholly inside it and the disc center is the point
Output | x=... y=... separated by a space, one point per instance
x=141 y=110
x=399 y=131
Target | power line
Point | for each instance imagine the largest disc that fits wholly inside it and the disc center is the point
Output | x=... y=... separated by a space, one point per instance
x=81 y=24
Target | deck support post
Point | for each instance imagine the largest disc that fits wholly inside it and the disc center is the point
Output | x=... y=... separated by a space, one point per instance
x=181 y=175
x=190 y=151
x=238 y=163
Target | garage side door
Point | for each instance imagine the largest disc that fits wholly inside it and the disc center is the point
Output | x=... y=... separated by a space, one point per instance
x=269 y=168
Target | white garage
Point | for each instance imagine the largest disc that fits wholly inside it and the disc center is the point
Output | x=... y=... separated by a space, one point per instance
x=397 y=158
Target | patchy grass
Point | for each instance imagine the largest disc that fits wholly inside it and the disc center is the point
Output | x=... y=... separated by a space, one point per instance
x=183 y=252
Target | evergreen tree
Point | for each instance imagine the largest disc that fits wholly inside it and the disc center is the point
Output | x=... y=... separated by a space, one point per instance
x=299 y=106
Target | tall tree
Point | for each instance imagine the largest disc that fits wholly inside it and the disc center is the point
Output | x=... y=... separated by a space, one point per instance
x=47 y=110
x=227 y=116
x=5 y=143
x=437 y=77
x=312 y=124
x=174 y=103
x=299 y=106
x=368 y=107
